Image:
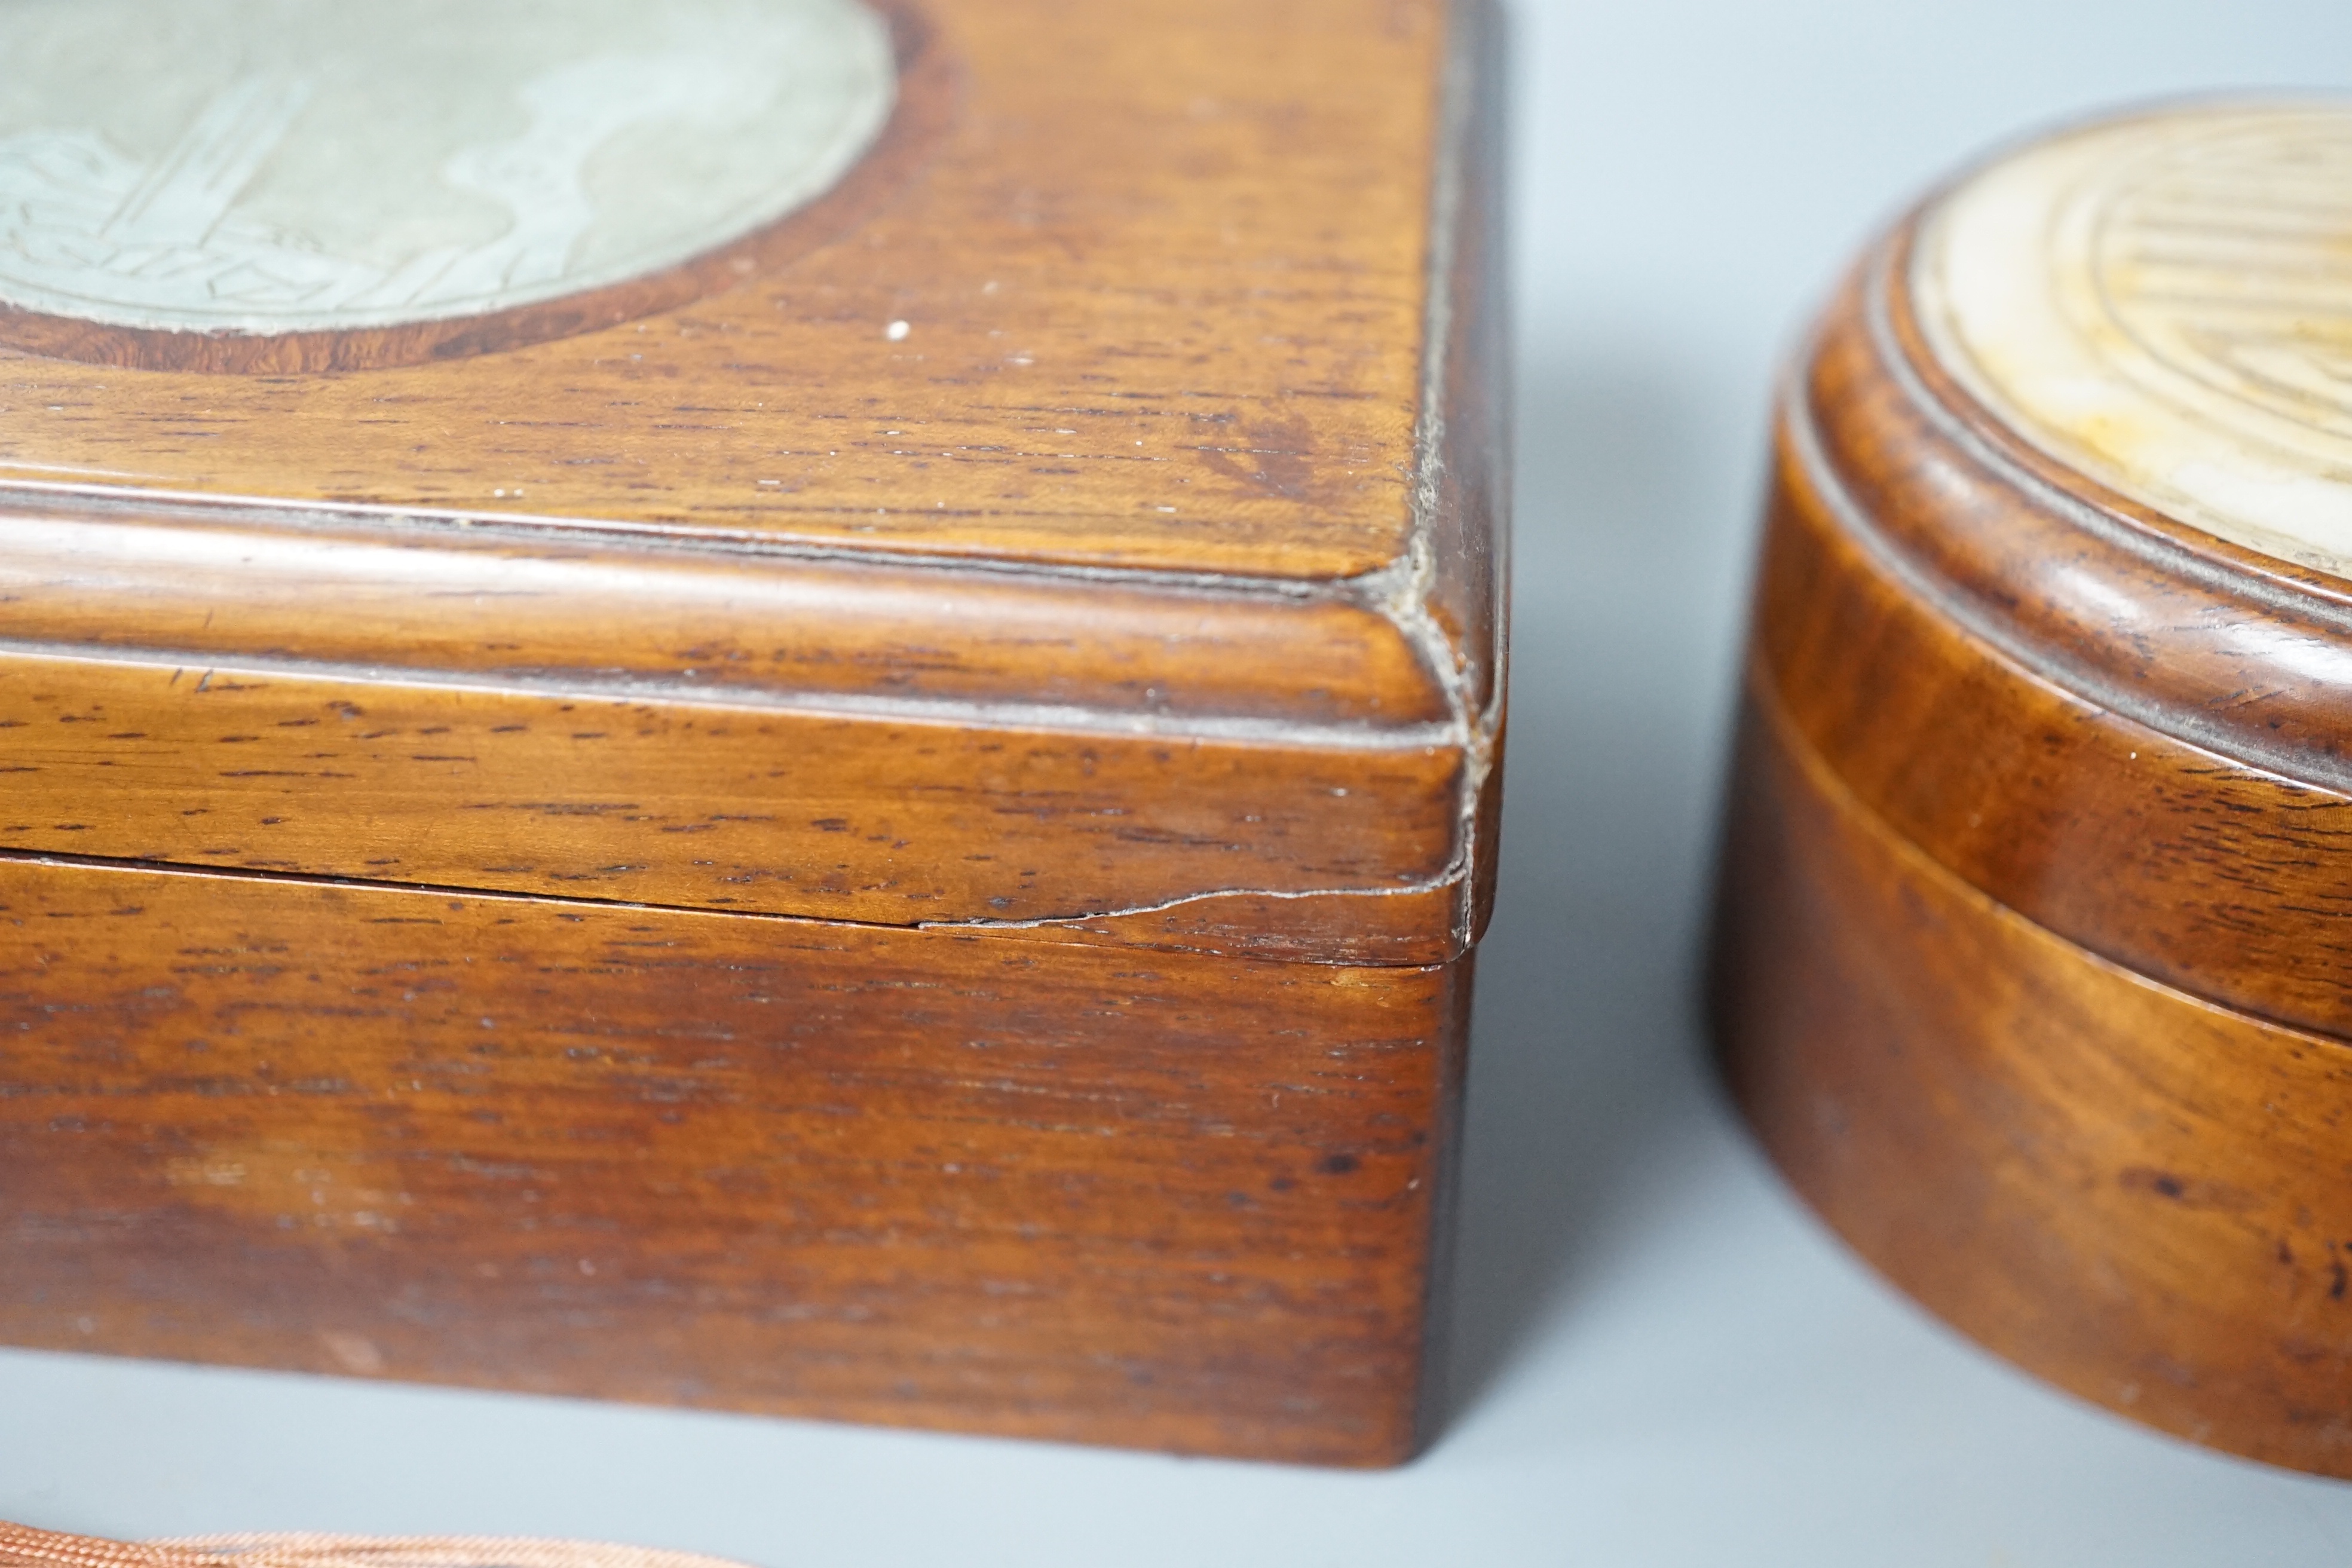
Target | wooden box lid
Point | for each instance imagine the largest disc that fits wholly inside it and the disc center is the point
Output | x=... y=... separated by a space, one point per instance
x=1036 y=464
x=2087 y=410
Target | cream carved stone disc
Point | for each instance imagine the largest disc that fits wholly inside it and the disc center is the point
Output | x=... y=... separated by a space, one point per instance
x=2165 y=303
x=273 y=166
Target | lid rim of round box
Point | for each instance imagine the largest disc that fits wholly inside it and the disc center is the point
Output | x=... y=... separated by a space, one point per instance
x=2178 y=656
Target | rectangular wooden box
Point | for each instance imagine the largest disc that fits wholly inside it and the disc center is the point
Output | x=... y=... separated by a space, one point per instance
x=884 y=823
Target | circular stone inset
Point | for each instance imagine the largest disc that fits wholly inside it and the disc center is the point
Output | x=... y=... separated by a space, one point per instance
x=282 y=166
x=2165 y=303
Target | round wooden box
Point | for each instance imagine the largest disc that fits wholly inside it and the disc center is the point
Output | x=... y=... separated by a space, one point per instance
x=2033 y=967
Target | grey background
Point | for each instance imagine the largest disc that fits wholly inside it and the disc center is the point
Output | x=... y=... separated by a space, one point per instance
x=1663 y=1360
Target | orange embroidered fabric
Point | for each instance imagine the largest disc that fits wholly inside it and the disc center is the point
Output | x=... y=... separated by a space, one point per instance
x=21 y=1547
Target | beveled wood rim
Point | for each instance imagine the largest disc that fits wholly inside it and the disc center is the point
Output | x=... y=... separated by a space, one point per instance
x=2213 y=643
x=923 y=109
x=1937 y=594
x=2099 y=827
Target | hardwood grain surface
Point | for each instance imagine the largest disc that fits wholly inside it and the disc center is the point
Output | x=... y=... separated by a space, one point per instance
x=499 y=609
x=1165 y=273
x=2137 y=1194
x=800 y=814
x=2142 y=755
x=897 y=1176
x=2031 y=968
x=898 y=840
x=1281 y=694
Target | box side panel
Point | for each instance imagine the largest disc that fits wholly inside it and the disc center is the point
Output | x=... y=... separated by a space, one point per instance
x=769 y=811
x=907 y=1177
x=2133 y=1193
